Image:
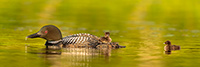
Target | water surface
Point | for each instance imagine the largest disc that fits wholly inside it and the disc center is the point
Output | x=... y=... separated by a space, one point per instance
x=140 y=25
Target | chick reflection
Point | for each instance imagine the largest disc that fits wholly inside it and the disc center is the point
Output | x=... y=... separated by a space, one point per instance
x=168 y=52
x=168 y=48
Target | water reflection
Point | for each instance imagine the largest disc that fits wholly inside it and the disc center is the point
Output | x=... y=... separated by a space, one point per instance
x=79 y=51
x=69 y=57
x=168 y=52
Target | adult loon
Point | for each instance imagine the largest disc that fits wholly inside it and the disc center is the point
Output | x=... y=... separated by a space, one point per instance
x=53 y=37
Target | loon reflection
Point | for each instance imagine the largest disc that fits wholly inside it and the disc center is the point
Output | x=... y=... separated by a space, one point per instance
x=69 y=57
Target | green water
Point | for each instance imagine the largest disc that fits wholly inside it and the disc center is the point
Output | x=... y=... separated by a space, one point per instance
x=140 y=25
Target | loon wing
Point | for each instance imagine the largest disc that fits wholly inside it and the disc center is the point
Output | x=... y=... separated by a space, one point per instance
x=81 y=38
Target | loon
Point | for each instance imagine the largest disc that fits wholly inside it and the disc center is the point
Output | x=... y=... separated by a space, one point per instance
x=53 y=37
x=170 y=47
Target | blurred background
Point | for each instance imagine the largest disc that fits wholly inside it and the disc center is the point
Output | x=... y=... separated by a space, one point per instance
x=140 y=25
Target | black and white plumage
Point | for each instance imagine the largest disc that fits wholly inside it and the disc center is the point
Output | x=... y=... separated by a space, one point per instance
x=81 y=39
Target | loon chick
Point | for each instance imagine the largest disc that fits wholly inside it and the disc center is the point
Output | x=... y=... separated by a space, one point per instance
x=53 y=37
x=170 y=47
x=110 y=45
x=106 y=38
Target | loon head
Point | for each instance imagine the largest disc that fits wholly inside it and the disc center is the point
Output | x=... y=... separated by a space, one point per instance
x=48 y=32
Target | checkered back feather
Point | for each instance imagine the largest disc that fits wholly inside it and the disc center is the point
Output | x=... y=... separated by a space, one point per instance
x=81 y=38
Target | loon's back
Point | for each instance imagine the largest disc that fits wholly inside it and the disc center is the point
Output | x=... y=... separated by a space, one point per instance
x=81 y=39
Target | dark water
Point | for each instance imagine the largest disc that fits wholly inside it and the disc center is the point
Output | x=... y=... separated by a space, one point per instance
x=140 y=25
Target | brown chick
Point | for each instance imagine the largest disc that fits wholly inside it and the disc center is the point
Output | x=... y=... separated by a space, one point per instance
x=106 y=38
x=170 y=47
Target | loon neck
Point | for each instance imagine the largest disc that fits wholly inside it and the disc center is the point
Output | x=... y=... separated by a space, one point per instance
x=54 y=42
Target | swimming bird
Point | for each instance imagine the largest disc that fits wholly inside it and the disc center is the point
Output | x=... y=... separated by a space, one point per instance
x=170 y=47
x=110 y=45
x=53 y=37
x=106 y=38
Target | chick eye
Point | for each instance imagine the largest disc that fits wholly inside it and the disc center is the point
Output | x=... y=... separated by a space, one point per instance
x=46 y=31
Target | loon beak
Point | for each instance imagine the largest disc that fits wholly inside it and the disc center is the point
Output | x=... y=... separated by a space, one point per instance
x=33 y=35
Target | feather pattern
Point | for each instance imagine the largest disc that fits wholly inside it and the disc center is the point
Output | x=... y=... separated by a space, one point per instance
x=81 y=38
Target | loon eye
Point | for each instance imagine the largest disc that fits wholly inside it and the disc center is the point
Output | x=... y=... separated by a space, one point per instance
x=46 y=32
